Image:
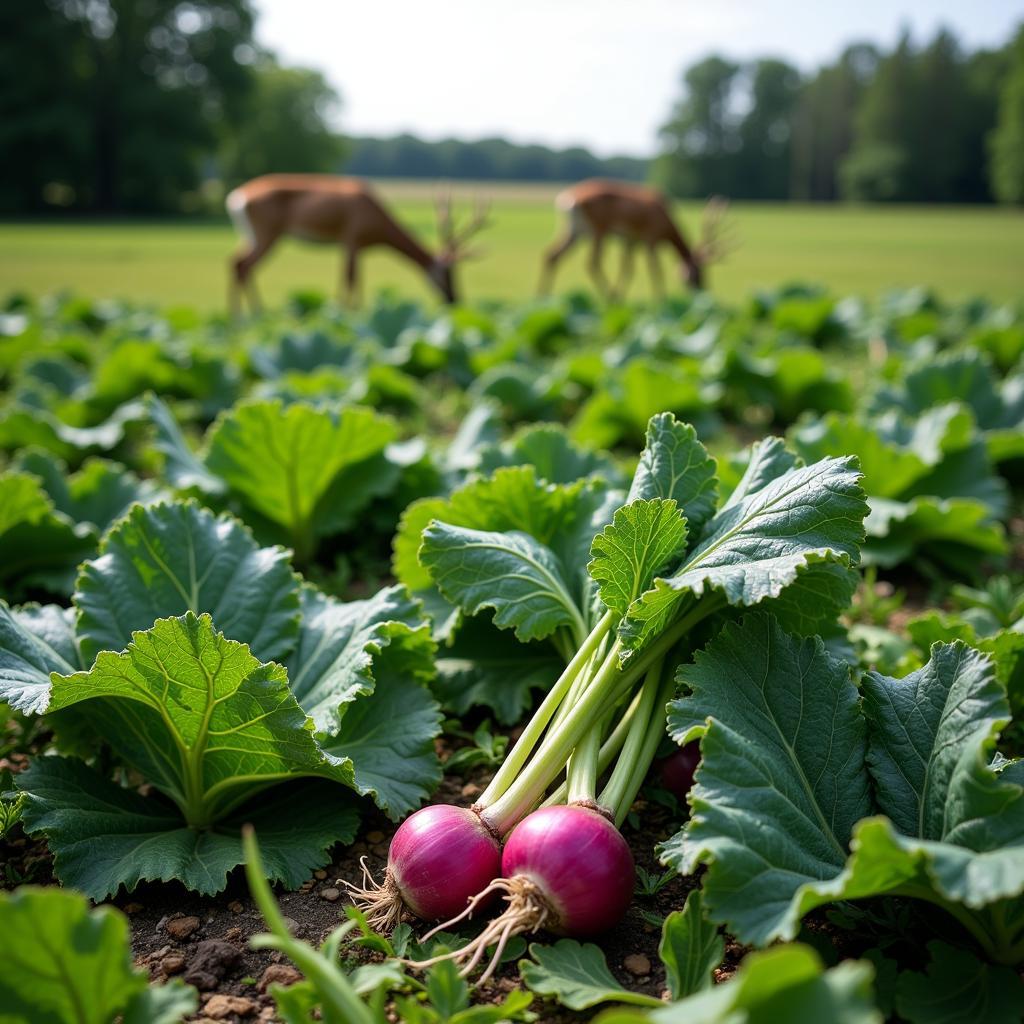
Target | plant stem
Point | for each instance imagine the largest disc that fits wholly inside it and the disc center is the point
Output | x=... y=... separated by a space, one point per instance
x=641 y=764
x=970 y=920
x=581 y=774
x=609 y=749
x=580 y=683
x=617 y=786
x=517 y=756
x=564 y=643
x=522 y=789
x=521 y=796
x=341 y=1004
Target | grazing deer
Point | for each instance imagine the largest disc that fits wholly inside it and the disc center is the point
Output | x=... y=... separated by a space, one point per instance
x=334 y=210
x=637 y=215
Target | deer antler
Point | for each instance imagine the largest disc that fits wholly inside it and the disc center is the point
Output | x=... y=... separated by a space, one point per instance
x=453 y=239
x=717 y=233
x=443 y=206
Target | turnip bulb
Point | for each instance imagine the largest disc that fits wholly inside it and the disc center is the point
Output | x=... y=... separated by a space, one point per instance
x=677 y=770
x=440 y=858
x=579 y=865
x=566 y=869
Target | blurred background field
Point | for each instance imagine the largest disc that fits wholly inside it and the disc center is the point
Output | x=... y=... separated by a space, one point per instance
x=873 y=149
x=867 y=250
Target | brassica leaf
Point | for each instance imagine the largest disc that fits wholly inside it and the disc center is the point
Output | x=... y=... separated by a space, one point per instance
x=173 y=557
x=286 y=462
x=756 y=547
x=104 y=836
x=643 y=538
x=787 y=822
x=200 y=716
x=787 y=983
x=34 y=641
x=67 y=963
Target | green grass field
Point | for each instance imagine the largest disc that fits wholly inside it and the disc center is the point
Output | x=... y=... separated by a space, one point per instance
x=863 y=250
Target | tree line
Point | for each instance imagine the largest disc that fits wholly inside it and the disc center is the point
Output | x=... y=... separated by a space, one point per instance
x=143 y=106
x=922 y=123
x=406 y=156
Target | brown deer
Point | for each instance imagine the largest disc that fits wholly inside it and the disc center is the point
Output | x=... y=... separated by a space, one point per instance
x=639 y=216
x=336 y=211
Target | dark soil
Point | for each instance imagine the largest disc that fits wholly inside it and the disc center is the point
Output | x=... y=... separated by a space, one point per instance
x=205 y=939
x=214 y=954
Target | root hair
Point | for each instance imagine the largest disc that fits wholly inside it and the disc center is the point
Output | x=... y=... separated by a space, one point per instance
x=381 y=902
x=526 y=911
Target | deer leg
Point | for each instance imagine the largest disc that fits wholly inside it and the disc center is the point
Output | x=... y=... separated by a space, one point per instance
x=654 y=269
x=234 y=289
x=594 y=266
x=244 y=264
x=552 y=255
x=351 y=300
x=625 y=271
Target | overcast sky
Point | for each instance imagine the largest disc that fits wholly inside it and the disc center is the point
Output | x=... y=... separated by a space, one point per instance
x=602 y=73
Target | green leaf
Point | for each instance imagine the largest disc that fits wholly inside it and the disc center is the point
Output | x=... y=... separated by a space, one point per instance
x=512 y=573
x=675 y=465
x=11 y=803
x=355 y=486
x=205 y=721
x=486 y=666
x=549 y=449
x=966 y=474
x=886 y=973
x=476 y=438
x=405 y=560
x=24 y=501
x=622 y=407
x=396 y=766
x=182 y=467
x=787 y=983
x=515 y=1006
x=768 y=459
x=930 y=483
x=643 y=538
x=446 y=990
x=951 y=530
x=963 y=822
x=925 y=731
x=958 y=988
x=103 y=836
x=690 y=948
x=282 y=460
x=304 y=353
x=175 y=557
x=97 y=494
x=24 y=428
x=755 y=548
x=964 y=376
x=510 y=499
x=577 y=975
x=338 y=644
x=1006 y=647
x=39 y=546
x=773 y=808
x=73 y=965
x=34 y=641
x=823 y=591
x=888 y=469
x=163 y=1004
